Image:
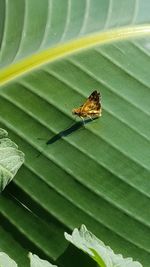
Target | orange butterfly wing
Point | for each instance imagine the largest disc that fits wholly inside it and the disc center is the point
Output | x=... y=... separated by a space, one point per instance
x=92 y=105
x=91 y=108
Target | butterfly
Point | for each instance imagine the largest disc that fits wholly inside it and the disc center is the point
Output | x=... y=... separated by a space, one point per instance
x=91 y=108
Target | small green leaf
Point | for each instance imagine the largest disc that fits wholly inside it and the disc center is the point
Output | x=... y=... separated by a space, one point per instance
x=103 y=255
x=6 y=261
x=10 y=159
x=35 y=261
x=3 y=133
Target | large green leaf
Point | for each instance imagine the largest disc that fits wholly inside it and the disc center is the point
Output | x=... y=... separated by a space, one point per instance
x=53 y=54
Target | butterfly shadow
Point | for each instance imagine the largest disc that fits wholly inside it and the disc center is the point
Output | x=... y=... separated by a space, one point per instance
x=68 y=131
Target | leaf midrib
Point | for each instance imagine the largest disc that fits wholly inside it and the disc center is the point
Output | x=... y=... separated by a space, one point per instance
x=36 y=60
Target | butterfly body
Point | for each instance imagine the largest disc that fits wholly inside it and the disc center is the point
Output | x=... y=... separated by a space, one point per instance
x=91 y=108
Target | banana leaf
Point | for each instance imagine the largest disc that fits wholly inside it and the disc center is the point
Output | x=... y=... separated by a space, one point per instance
x=53 y=55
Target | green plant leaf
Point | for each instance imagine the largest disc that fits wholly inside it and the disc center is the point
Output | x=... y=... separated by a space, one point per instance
x=11 y=159
x=35 y=261
x=53 y=55
x=5 y=260
x=103 y=255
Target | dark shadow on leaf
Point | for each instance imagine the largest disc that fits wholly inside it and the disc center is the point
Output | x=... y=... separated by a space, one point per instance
x=68 y=131
x=73 y=257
